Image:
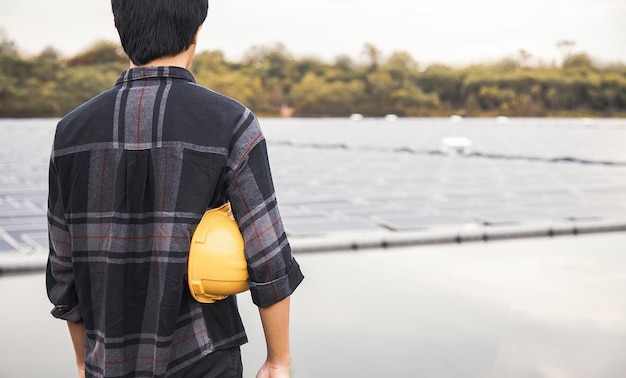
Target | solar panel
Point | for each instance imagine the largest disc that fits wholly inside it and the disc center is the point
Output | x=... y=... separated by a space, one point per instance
x=334 y=176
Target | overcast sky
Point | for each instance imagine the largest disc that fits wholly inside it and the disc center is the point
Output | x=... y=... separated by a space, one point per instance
x=455 y=32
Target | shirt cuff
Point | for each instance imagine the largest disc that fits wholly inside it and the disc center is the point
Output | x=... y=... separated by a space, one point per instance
x=69 y=313
x=265 y=294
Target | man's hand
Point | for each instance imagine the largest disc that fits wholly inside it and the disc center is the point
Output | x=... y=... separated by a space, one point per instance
x=77 y=334
x=275 y=320
x=270 y=370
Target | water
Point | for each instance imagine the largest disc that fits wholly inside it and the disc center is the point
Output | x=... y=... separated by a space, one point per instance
x=519 y=308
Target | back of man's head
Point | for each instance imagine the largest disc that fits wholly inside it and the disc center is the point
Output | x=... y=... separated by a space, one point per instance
x=152 y=29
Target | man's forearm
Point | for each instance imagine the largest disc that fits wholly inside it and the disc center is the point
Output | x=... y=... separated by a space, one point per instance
x=77 y=333
x=275 y=321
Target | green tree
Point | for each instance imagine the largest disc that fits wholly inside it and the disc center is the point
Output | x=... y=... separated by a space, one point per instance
x=100 y=53
x=446 y=83
x=269 y=77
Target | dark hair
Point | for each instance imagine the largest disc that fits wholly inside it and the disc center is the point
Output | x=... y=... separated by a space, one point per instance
x=152 y=29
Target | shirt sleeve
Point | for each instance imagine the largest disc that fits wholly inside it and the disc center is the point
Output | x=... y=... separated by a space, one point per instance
x=273 y=272
x=59 y=272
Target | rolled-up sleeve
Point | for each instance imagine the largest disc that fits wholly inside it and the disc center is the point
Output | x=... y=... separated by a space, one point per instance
x=274 y=273
x=59 y=272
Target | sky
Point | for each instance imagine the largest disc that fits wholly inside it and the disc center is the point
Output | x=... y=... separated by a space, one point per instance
x=454 y=32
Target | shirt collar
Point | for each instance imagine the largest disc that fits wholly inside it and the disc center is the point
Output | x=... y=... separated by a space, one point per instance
x=151 y=72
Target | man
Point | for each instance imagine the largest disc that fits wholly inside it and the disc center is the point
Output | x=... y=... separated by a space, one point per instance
x=131 y=173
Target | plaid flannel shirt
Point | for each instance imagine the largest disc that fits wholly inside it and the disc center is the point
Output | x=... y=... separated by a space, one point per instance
x=131 y=173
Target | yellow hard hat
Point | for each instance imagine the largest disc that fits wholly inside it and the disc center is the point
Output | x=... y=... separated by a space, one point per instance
x=217 y=265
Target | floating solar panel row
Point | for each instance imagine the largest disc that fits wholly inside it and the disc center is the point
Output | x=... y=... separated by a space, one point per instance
x=363 y=190
x=335 y=177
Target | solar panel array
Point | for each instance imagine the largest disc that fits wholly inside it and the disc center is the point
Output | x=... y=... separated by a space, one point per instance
x=345 y=184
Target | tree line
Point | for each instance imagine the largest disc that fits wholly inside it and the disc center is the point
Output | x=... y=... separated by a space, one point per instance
x=269 y=80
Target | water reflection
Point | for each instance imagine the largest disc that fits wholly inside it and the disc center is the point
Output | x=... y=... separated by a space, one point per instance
x=524 y=308
x=527 y=308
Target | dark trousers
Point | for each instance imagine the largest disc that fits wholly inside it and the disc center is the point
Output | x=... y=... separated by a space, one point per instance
x=219 y=364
